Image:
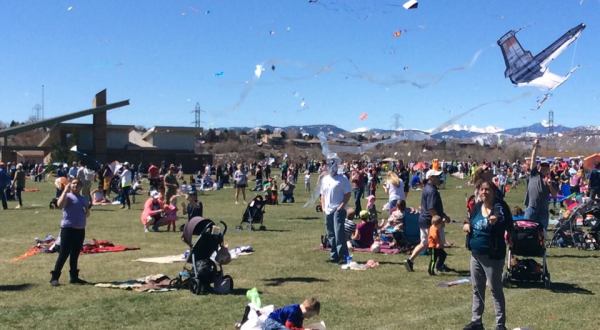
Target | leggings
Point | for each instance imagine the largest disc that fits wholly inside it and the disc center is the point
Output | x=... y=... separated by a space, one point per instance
x=71 y=242
x=18 y=195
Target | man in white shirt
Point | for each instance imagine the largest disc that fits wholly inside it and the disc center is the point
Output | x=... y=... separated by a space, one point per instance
x=335 y=194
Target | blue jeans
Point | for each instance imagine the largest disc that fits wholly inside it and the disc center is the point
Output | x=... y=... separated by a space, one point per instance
x=334 y=223
x=537 y=215
x=271 y=324
x=358 y=194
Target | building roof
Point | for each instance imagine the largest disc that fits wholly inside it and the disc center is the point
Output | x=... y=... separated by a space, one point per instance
x=169 y=129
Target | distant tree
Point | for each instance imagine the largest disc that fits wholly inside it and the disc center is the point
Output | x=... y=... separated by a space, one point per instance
x=211 y=136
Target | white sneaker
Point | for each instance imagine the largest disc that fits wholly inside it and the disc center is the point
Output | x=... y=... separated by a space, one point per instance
x=145 y=229
x=18 y=207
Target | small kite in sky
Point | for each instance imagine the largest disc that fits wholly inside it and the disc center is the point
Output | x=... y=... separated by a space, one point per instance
x=69 y=8
x=397 y=34
x=410 y=4
x=219 y=74
x=259 y=70
x=363 y=116
x=302 y=104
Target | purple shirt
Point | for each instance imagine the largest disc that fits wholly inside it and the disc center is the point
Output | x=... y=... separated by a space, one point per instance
x=74 y=211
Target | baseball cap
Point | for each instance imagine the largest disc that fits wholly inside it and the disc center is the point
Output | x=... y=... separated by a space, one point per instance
x=431 y=173
x=364 y=214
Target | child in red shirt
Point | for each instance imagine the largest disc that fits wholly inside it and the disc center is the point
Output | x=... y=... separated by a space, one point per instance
x=436 y=245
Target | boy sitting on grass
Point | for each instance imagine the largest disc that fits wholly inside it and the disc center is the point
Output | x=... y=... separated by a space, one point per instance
x=292 y=316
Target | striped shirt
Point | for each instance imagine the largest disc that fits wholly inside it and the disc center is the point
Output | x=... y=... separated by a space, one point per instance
x=349 y=228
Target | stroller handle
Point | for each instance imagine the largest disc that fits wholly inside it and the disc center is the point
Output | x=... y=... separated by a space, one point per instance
x=224 y=227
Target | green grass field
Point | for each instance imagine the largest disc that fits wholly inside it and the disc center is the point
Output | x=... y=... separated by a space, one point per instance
x=286 y=267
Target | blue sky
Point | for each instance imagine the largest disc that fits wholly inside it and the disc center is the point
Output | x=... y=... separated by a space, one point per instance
x=333 y=61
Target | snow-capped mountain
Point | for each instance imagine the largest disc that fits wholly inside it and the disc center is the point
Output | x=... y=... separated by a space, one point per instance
x=472 y=128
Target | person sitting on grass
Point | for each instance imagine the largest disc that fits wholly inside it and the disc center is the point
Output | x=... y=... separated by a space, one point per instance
x=98 y=197
x=292 y=316
x=363 y=235
x=394 y=226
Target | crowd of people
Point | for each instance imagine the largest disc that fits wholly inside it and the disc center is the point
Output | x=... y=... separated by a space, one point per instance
x=342 y=187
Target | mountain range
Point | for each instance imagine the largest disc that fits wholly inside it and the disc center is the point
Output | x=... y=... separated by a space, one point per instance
x=454 y=131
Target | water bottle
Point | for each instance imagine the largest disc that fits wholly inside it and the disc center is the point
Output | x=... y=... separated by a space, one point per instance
x=348 y=259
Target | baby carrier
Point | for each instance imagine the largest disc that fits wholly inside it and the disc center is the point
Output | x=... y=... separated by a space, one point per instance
x=526 y=239
x=253 y=214
x=206 y=273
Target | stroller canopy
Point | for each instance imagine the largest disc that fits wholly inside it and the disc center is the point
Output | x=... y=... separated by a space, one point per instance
x=196 y=226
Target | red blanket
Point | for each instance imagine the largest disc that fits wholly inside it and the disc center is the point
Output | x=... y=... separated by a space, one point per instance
x=101 y=246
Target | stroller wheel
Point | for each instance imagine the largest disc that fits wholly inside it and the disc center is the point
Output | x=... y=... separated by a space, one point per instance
x=546 y=279
x=224 y=285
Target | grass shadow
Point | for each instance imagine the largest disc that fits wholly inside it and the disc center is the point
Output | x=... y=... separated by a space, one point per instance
x=275 y=230
x=391 y=263
x=15 y=287
x=305 y=218
x=238 y=292
x=559 y=287
x=277 y=281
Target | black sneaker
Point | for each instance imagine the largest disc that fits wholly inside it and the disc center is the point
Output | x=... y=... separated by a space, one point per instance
x=409 y=265
x=445 y=269
x=474 y=326
x=500 y=327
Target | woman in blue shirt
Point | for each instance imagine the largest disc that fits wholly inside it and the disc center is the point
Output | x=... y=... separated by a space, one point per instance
x=485 y=238
x=72 y=231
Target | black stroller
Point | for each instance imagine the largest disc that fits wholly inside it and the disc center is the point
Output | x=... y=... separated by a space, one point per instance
x=526 y=239
x=253 y=214
x=206 y=274
x=571 y=232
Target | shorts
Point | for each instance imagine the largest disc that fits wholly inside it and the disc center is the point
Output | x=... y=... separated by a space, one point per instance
x=423 y=235
x=241 y=185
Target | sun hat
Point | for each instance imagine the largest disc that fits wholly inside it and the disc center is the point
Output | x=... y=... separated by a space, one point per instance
x=431 y=173
x=364 y=214
x=154 y=194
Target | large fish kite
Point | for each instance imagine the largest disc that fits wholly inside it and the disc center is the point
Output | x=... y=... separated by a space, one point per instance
x=523 y=69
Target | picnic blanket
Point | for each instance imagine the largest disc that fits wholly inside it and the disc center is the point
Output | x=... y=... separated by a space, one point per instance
x=150 y=283
x=47 y=245
x=44 y=245
x=102 y=246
